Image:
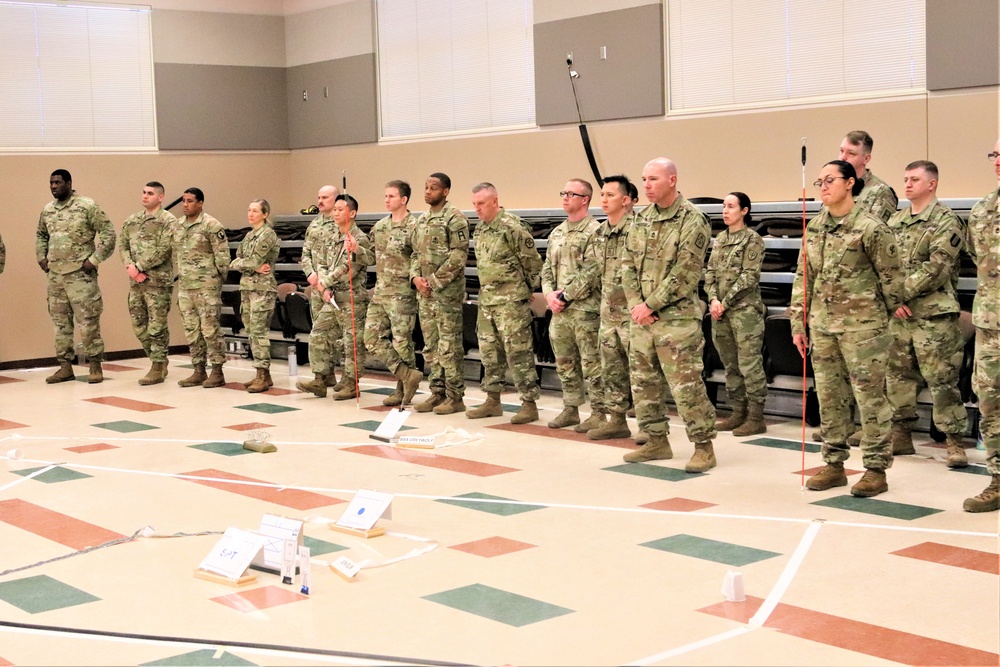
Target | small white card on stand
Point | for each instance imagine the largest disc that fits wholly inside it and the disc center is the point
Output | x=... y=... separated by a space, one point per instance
x=365 y=508
x=386 y=431
x=231 y=555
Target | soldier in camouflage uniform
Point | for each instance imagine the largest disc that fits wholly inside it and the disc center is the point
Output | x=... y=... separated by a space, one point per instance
x=437 y=270
x=661 y=266
x=984 y=246
x=927 y=343
x=342 y=284
x=145 y=248
x=849 y=289
x=613 y=333
x=571 y=282
x=314 y=255
x=201 y=257
x=508 y=265
x=255 y=258
x=732 y=284
x=74 y=236
x=392 y=313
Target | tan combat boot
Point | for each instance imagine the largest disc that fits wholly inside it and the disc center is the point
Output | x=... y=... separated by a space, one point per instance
x=827 y=478
x=568 y=417
x=348 y=391
x=987 y=501
x=259 y=383
x=316 y=386
x=64 y=374
x=429 y=403
x=155 y=375
x=96 y=374
x=411 y=382
x=703 y=458
x=956 y=452
x=736 y=419
x=491 y=408
x=527 y=414
x=196 y=378
x=330 y=379
x=871 y=484
x=657 y=449
x=901 y=439
x=598 y=418
x=450 y=406
x=641 y=438
x=754 y=423
x=616 y=428
x=339 y=384
x=216 y=379
x=396 y=397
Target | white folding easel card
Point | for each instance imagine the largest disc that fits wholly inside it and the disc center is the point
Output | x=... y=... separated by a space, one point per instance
x=394 y=419
x=365 y=508
x=232 y=554
x=276 y=529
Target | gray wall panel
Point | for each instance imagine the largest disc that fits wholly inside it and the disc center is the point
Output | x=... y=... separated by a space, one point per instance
x=347 y=116
x=963 y=39
x=220 y=107
x=629 y=84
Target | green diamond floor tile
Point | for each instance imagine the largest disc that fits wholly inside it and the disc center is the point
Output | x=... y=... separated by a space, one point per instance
x=654 y=471
x=320 y=547
x=501 y=509
x=497 y=605
x=200 y=658
x=267 y=408
x=125 y=426
x=371 y=425
x=878 y=507
x=382 y=391
x=713 y=550
x=57 y=474
x=972 y=470
x=793 y=445
x=42 y=593
x=224 y=448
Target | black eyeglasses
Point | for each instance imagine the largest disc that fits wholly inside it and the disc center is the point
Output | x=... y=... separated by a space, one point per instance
x=820 y=182
x=567 y=193
x=993 y=156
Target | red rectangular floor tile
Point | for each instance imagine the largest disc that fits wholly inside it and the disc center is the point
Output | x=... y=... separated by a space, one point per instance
x=432 y=460
x=250 y=426
x=260 y=598
x=563 y=434
x=54 y=526
x=5 y=379
x=128 y=404
x=863 y=638
x=294 y=498
x=4 y=663
x=117 y=367
x=86 y=449
x=678 y=505
x=5 y=424
x=493 y=546
x=945 y=554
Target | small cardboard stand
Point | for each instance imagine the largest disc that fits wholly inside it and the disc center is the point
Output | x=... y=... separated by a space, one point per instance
x=364 y=510
x=229 y=559
x=345 y=568
x=390 y=425
x=276 y=529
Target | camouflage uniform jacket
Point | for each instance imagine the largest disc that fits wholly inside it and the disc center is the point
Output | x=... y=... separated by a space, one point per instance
x=572 y=264
x=876 y=197
x=201 y=252
x=613 y=303
x=663 y=260
x=393 y=248
x=257 y=248
x=506 y=259
x=315 y=246
x=72 y=231
x=440 y=250
x=733 y=275
x=984 y=246
x=335 y=276
x=929 y=243
x=853 y=279
x=146 y=241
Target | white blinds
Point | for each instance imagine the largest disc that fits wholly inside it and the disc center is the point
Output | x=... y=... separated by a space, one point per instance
x=75 y=77
x=741 y=53
x=454 y=65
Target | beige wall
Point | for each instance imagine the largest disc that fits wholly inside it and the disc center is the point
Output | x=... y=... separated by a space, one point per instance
x=341 y=31
x=207 y=38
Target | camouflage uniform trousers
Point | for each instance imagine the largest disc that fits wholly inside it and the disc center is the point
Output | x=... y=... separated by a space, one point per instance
x=389 y=332
x=76 y=296
x=842 y=362
x=739 y=338
x=202 y=310
x=613 y=339
x=670 y=354
x=927 y=350
x=256 y=310
x=441 y=324
x=504 y=332
x=149 y=306
x=986 y=382
x=316 y=304
x=333 y=337
x=573 y=334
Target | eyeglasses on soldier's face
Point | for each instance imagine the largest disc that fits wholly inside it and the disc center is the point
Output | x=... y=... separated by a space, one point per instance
x=828 y=181
x=567 y=193
x=993 y=156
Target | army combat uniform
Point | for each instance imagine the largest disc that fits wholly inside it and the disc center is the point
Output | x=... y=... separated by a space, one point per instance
x=315 y=254
x=876 y=197
x=146 y=242
x=258 y=291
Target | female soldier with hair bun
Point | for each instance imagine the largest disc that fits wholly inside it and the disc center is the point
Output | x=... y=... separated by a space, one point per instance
x=732 y=284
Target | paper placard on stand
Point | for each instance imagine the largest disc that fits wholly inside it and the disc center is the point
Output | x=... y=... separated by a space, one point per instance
x=365 y=508
x=231 y=556
x=345 y=568
x=415 y=441
x=394 y=419
x=276 y=529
